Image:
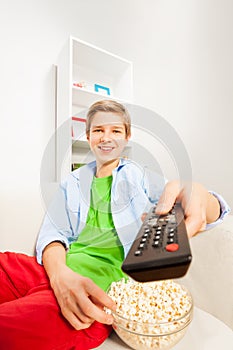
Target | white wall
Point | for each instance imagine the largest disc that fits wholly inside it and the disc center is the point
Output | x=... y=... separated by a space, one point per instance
x=182 y=53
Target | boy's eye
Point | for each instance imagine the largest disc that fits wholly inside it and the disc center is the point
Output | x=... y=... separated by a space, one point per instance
x=97 y=130
x=116 y=131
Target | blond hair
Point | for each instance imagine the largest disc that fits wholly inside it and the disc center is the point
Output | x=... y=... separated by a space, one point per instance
x=108 y=106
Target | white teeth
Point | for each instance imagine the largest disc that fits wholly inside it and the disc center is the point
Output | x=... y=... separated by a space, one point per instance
x=104 y=148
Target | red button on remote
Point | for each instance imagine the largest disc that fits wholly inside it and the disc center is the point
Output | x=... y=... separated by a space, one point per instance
x=172 y=247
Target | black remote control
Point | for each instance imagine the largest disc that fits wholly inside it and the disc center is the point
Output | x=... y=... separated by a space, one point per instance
x=161 y=248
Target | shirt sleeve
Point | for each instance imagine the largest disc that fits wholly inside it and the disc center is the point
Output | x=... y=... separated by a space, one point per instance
x=224 y=210
x=56 y=224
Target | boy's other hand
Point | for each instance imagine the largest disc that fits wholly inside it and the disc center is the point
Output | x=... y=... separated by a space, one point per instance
x=80 y=299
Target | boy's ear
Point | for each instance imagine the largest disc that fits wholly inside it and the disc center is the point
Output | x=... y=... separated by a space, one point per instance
x=128 y=137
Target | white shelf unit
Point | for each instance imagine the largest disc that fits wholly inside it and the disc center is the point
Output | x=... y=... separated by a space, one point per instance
x=84 y=64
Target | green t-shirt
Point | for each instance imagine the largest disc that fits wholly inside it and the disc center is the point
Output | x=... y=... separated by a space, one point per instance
x=98 y=253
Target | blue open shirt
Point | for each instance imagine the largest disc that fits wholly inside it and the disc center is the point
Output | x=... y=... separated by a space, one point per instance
x=134 y=190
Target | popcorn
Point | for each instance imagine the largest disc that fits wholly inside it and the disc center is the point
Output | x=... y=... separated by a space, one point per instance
x=150 y=315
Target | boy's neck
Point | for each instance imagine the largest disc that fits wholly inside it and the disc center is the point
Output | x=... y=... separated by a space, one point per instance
x=103 y=170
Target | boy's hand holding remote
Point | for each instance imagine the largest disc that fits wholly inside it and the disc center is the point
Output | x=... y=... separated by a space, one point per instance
x=200 y=207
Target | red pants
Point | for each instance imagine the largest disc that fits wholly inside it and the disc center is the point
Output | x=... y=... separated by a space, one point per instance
x=30 y=318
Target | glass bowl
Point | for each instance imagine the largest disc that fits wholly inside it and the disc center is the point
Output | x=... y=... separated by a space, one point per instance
x=156 y=334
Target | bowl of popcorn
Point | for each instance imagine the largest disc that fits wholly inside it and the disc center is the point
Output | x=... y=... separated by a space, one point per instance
x=153 y=315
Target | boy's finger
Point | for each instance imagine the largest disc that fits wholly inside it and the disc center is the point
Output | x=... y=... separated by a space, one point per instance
x=95 y=312
x=194 y=224
x=168 y=198
x=100 y=296
x=143 y=216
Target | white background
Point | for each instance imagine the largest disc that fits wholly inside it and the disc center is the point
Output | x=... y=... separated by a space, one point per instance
x=182 y=52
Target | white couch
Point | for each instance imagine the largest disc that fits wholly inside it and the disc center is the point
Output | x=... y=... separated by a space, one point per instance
x=210 y=277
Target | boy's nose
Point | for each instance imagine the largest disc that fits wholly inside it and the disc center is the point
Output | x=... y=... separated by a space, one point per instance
x=105 y=136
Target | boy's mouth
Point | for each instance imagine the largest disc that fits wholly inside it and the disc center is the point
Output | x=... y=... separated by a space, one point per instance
x=106 y=148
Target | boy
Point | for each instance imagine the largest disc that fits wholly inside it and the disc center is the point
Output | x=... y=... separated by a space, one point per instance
x=84 y=238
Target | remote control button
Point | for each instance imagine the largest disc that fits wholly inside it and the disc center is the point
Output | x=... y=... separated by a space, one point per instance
x=143 y=240
x=152 y=222
x=155 y=244
x=172 y=247
x=141 y=246
x=138 y=252
x=172 y=220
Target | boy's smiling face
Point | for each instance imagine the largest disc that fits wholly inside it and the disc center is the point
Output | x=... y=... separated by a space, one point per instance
x=107 y=137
